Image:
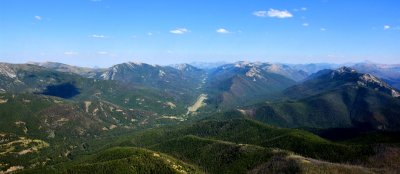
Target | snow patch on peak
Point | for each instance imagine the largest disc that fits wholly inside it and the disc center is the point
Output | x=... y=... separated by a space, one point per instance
x=371 y=79
x=135 y=63
x=253 y=72
x=182 y=67
x=131 y=65
x=5 y=70
x=110 y=74
x=245 y=64
x=395 y=93
x=242 y=64
x=161 y=73
x=345 y=70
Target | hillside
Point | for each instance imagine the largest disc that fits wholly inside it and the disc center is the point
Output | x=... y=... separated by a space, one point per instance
x=122 y=160
x=214 y=145
x=244 y=83
x=339 y=98
x=388 y=73
x=183 y=82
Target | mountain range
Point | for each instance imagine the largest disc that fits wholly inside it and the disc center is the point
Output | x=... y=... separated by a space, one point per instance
x=242 y=117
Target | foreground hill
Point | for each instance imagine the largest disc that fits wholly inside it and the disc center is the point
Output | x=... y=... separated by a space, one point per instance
x=122 y=160
x=224 y=143
x=339 y=98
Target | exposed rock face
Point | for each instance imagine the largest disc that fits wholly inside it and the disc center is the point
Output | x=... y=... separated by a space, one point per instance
x=7 y=71
x=365 y=80
x=255 y=69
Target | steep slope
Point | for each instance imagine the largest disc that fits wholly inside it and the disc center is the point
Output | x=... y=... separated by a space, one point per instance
x=339 y=98
x=244 y=83
x=326 y=80
x=388 y=73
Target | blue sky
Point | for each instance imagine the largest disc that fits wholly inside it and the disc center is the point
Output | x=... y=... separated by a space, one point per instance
x=105 y=32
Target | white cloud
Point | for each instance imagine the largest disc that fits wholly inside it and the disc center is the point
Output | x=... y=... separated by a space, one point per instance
x=38 y=18
x=97 y=36
x=96 y=0
x=273 y=13
x=279 y=13
x=222 y=31
x=260 y=13
x=386 y=27
x=70 y=53
x=303 y=9
x=149 y=34
x=306 y=24
x=323 y=29
x=179 y=31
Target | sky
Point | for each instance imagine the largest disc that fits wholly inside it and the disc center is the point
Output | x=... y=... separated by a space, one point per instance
x=101 y=33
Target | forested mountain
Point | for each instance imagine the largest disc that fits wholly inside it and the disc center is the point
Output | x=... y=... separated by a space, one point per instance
x=140 y=118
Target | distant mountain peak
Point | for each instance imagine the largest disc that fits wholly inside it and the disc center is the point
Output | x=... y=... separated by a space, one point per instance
x=343 y=72
x=349 y=75
x=184 y=67
x=345 y=69
x=242 y=64
x=135 y=63
x=369 y=80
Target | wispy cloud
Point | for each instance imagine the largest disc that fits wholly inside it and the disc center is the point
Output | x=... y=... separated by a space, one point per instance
x=70 y=53
x=38 y=18
x=149 y=34
x=95 y=0
x=222 y=31
x=300 y=9
x=273 y=13
x=97 y=36
x=322 y=29
x=260 y=13
x=306 y=24
x=102 y=52
x=179 y=31
x=386 y=27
